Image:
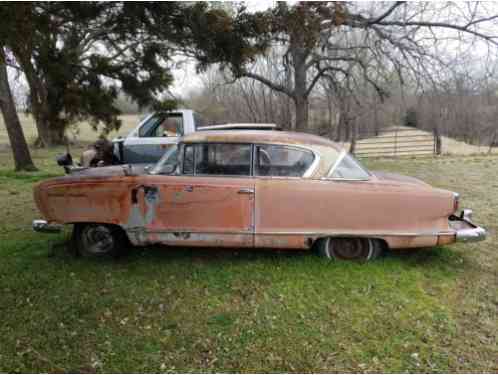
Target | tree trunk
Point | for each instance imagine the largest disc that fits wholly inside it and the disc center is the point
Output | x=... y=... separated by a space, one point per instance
x=299 y=55
x=354 y=134
x=301 y=113
x=48 y=135
x=340 y=126
x=20 y=150
x=494 y=142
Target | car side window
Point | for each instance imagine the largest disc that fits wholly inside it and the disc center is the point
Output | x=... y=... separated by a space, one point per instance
x=274 y=160
x=220 y=159
x=163 y=125
x=350 y=169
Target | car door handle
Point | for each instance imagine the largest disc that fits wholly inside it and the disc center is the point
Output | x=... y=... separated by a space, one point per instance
x=189 y=188
x=246 y=191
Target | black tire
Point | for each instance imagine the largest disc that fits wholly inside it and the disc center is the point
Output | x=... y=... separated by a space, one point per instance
x=352 y=249
x=99 y=240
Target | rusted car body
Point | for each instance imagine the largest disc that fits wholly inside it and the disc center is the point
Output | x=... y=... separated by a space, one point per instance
x=263 y=189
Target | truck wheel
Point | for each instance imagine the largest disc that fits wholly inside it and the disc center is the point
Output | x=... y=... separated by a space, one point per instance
x=99 y=240
x=353 y=249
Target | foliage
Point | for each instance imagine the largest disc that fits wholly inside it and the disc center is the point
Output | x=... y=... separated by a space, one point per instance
x=77 y=56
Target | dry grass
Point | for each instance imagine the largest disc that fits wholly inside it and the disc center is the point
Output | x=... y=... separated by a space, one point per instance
x=80 y=133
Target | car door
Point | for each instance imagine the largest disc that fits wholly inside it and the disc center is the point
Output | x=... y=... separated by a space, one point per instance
x=284 y=199
x=211 y=203
x=153 y=137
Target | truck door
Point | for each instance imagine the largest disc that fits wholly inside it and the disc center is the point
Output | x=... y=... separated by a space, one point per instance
x=153 y=137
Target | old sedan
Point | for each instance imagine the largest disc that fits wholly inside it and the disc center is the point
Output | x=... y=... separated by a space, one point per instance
x=246 y=189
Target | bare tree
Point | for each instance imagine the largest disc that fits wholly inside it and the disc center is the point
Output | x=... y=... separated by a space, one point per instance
x=377 y=39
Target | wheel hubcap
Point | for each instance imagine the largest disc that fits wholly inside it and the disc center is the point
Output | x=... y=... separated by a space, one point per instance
x=351 y=248
x=97 y=239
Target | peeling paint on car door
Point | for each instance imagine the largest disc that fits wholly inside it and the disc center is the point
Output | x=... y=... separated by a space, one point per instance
x=195 y=211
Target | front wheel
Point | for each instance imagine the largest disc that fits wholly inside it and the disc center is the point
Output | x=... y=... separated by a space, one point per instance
x=99 y=240
x=353 y=249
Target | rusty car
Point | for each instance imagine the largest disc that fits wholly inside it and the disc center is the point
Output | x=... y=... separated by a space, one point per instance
x=253 y=189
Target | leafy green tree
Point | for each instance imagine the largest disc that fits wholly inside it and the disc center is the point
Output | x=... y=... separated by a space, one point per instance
x=77 y=57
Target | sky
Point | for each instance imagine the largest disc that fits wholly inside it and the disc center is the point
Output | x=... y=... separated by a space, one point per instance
x=186 y=78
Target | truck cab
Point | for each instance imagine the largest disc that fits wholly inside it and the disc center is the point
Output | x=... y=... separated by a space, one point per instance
x=159 y=131
x=155 y=134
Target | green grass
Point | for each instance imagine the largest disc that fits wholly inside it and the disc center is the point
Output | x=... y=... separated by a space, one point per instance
x=215 y=310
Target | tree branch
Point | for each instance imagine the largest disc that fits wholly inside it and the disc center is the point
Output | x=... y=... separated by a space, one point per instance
x=387 y=13
x=267 y=82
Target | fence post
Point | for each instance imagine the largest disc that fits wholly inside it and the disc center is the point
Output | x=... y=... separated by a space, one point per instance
x=437 y=141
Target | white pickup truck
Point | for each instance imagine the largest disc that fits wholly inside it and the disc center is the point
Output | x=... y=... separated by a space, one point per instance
x=154 y=134
x=161 y=130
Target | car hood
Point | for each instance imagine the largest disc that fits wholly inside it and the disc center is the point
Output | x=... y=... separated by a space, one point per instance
x=112 y=170
x=398 y=178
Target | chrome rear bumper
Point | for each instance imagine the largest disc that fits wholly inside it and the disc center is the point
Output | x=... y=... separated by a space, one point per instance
x=44 y=227
x=472 y=233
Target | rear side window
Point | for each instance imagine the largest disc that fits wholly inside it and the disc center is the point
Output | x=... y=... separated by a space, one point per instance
x=273 y=160
x=350 y=169
x=217 y=159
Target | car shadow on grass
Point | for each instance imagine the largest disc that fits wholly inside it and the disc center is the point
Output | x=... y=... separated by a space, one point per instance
x=434 y=257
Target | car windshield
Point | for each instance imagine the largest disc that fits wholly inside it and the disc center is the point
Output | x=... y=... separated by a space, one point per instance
x=347 y=167
x=170 y=158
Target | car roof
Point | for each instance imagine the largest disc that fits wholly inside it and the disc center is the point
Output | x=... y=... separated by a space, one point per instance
x=259 y=136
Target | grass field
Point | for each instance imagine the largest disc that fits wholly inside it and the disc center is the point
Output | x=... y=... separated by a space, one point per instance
x=213 y=310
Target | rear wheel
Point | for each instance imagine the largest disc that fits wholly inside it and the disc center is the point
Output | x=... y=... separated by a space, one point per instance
x=352 y=249
x=99 y=240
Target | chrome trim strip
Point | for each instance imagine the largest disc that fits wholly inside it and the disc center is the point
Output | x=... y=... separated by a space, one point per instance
x=313 y=167
x=345 y=179
x=341 y=156
x=311 y=233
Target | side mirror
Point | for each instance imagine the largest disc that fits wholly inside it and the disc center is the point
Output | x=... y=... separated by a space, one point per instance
x=64 y=160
